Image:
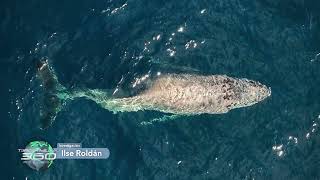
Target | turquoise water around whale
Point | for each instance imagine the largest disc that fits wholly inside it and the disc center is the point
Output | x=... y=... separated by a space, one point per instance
x=112 y=44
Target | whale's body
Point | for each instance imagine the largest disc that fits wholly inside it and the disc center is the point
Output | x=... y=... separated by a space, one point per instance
x=191 y=94
x=185 y=94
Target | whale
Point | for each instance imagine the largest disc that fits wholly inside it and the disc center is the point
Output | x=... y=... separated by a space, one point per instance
x=180 y=94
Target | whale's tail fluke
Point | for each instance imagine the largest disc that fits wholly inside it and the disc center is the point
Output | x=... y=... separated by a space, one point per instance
x=54 y=95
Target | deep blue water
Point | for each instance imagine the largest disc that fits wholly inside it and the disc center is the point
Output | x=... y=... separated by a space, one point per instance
x=97 y=43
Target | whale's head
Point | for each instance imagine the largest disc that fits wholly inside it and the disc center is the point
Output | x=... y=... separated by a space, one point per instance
x=251 y=92
x=244 y=92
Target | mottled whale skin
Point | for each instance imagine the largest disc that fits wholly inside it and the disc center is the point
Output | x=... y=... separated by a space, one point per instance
x=185 y=94
x=190 y=94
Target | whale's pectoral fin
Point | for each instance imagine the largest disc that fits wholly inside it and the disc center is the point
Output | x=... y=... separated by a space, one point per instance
x=161 y=119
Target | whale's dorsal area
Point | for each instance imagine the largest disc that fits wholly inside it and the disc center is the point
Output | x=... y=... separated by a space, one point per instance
x=194 y=94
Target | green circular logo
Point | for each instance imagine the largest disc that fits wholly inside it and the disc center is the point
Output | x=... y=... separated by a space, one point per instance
x=38 y=155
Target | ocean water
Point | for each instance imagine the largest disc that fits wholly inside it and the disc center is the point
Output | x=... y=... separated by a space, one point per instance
x=110 y=44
